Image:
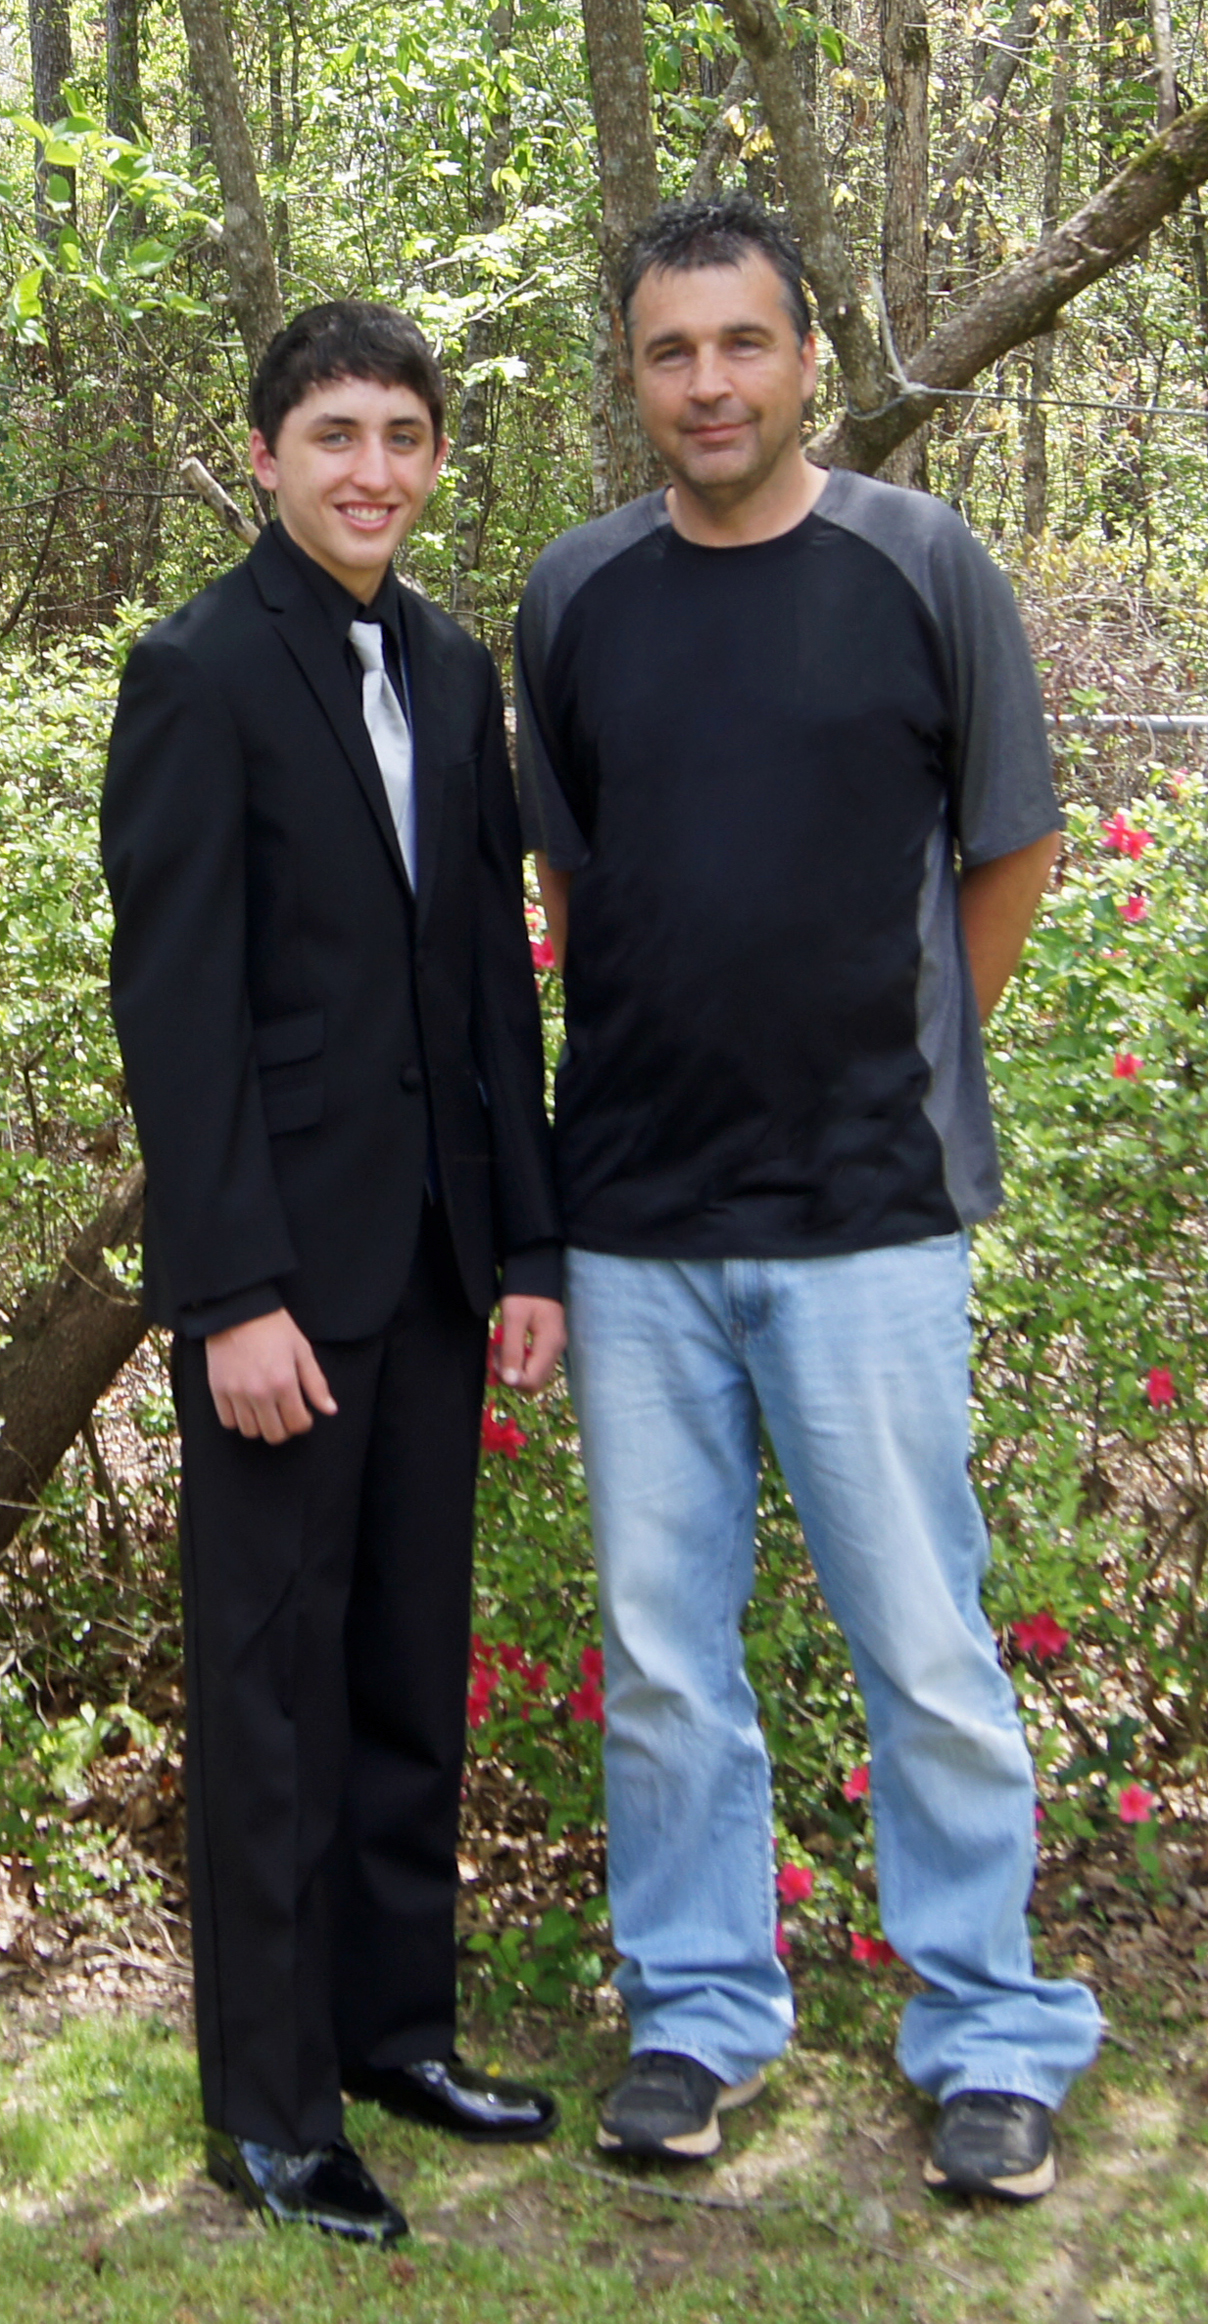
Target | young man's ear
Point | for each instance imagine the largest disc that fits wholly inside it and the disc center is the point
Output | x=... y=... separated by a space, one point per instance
x=264 y=466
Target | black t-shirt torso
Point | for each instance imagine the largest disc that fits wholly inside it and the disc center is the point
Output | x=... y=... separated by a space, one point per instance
x=753 y=760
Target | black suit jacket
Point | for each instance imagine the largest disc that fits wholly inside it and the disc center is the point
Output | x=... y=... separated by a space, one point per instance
x=291 y=1018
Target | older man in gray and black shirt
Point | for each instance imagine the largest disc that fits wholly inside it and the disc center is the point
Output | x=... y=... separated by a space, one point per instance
x=784 y=766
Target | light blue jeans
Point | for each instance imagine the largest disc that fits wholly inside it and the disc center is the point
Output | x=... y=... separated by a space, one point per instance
x=859 y=1366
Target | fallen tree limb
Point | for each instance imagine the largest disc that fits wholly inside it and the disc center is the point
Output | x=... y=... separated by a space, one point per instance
x=66 y=1343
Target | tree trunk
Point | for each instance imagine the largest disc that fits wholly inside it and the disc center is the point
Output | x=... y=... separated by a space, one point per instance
x=123 y=85
x=66 y=1344
x=51 y=62
x=1027 y=297
x=623 y=464
x=1044 y=347
x=1113 y=72
x=906 y=64
x=255 y=292
x=471 y=458
x=1163 y=60
x=799 y=152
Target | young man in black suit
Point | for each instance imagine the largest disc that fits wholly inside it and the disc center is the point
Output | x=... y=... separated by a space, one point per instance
x=324 y=996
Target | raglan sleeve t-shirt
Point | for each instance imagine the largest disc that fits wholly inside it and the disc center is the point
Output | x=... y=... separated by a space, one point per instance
x=762 y=765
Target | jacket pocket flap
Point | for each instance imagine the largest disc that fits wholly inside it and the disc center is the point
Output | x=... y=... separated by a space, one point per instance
x=293 y=1109
x=285 y=1040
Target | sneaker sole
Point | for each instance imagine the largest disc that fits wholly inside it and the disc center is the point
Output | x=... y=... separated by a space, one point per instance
x=1021 y=2187
x=690 y=2145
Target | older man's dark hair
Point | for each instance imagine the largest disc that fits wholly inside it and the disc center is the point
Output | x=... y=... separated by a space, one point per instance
x=346 y=339
x=682 y=236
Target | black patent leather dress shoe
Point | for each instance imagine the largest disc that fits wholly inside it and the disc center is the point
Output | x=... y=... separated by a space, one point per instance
x=456 y=2097
x=329 y=2187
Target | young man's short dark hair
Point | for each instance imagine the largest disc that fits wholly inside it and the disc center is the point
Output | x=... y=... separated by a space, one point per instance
x=684 y=235
x=346 y=339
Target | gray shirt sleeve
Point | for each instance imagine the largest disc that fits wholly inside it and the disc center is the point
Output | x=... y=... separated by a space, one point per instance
x=1002 y=782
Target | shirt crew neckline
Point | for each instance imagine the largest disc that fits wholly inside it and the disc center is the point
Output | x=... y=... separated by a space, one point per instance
x=775 y=543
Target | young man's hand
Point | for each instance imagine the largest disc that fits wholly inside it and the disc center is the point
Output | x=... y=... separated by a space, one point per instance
x=264 y=1378
x=534 y=1335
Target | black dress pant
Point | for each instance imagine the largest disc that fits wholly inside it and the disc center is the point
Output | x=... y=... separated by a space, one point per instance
x=327 y=1607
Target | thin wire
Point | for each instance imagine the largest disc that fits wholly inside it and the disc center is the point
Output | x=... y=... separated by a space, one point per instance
x=1056 y=403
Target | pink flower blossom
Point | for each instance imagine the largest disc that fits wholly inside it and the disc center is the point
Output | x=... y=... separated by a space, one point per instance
x=586 y=1703
x=591 y=1662
x=794 y=1883
x=1134 y=909
x=1120 y=835
x=1135 y=1805
x=1127 y=1065
x=535 y=1677
x=505 y=1436
x=1159 y=1387
x=543 y=953
x=874 y=1952
x=856 y=1786
x=1040 y=1635
x=784 y=1944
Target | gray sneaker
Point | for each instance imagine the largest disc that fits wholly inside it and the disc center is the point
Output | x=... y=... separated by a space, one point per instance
x=991 y=2142
x=665 y=2104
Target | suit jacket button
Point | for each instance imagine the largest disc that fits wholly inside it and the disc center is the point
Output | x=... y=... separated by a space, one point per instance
x=412 y=1078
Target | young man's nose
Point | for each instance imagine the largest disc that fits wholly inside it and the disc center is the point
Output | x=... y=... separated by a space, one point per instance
x=372 y=465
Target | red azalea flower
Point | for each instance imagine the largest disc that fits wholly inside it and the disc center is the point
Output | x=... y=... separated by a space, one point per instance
x=481 y=1651
x=543 y=953
x=1135 y=1805
x=535 y=1677
x=1134 y=908
x=478 y=1701
x=1040 y=1635
x=783 y=1942
x=505 y=1436
x=794 y=1883
x=493 y=1346
x=856 y=1786
x=1127 y=1065
x=512 y=1657
x=586 y=1703
x=1160 y=1386
x=591 y=1662
x=874 y=1952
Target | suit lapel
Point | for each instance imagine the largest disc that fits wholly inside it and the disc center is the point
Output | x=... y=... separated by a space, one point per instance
x=306 y=631
x=427 y=680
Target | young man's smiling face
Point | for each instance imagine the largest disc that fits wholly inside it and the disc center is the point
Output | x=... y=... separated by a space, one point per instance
x=352 y=466
x=722 y=380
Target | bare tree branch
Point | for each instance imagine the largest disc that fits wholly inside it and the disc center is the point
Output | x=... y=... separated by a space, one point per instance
x=721 y=137
x=218 y=498
x=1026 y=297
x=1005 y=58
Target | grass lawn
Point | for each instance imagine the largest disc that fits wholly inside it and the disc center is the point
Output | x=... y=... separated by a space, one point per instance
x=814 y=2210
